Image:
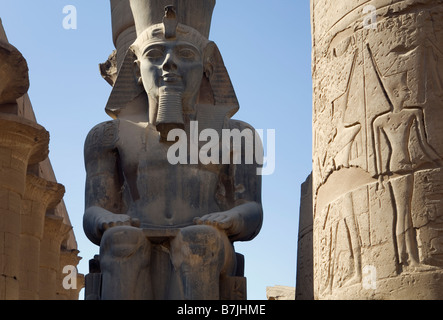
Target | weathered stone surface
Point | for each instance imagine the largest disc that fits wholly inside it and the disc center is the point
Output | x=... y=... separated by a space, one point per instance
x=166 y=230
x=55 y=232
x=305 y=262
x=19 y=139
x=69 y=258
x=123 y=28
x=280 y=293
x=3 y=36
x=40 y=195
x=377 y=149
x=28 y=187
x=14 y=80
x=108 y=69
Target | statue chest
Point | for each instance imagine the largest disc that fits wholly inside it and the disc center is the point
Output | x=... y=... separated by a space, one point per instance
x=160 y=193
x=150 y=172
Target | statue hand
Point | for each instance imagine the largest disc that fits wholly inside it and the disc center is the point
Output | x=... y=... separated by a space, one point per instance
x=115 y=220
x=228 y=221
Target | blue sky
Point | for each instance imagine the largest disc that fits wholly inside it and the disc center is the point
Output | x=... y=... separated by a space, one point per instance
x=266 y=46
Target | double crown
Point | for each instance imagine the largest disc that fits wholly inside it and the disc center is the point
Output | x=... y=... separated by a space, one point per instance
x=196 y=14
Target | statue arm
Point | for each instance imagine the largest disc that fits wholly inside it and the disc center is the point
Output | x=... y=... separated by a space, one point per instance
x=241 y=223
x=103 y=199
x=247 y=196
x=243 y=218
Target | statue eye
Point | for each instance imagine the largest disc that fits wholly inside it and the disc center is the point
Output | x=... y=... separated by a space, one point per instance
x=154 y=54
x=187 y=54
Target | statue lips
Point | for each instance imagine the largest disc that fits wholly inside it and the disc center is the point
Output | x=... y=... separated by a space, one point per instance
x=171 y=78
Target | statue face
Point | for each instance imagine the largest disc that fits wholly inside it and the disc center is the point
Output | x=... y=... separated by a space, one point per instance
x=171 y=66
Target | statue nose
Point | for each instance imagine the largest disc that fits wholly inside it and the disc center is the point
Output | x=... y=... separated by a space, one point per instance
x=169 y=63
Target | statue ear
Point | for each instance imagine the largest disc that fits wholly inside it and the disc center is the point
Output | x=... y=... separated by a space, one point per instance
x=216 y=80
x=208 y=63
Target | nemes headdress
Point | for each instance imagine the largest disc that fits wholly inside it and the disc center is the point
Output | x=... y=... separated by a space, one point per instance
x=161 y=20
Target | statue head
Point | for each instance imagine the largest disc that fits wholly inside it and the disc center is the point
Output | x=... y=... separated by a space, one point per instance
x=170 y=64
x=171 y=60
x=173 y=63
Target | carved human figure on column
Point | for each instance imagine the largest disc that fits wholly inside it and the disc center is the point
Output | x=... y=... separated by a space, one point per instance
x=397 y=125
x=136 y=200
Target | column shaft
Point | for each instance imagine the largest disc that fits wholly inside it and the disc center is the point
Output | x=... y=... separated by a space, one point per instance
x=377 y=147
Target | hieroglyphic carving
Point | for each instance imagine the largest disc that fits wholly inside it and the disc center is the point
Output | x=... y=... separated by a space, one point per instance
x=377 y=148
x=398 y=124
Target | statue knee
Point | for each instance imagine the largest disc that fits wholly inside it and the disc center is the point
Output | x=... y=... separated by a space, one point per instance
x=200 y=245
x=202 y=236
x=122 y=242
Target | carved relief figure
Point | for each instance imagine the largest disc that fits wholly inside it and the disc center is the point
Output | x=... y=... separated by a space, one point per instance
x=377 y=149
x=397 y=126
x=167 y=231
x=341 y=258
x=340 y=147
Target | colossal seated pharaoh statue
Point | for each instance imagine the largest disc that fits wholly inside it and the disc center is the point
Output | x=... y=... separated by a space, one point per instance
x=166 y=228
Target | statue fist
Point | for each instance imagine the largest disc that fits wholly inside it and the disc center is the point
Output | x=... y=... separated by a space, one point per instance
x=114 y=220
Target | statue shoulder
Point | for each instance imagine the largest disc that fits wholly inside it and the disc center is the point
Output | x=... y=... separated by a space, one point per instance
x=255 y=142
x=103 y=136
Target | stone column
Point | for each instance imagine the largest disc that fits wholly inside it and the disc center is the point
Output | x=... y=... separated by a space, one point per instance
x=377 y=174
x=74 y=281
x=40 y=194
x=55 y=231
x=21 y=143
x=304 y=287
